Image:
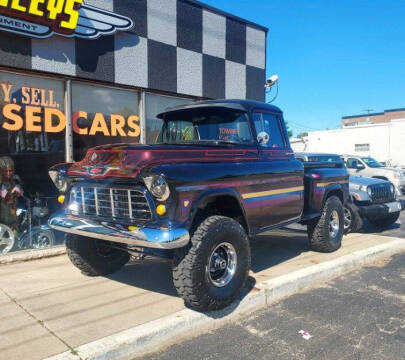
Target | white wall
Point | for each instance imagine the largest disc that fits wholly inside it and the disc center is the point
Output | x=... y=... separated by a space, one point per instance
x=299 y=145
x=387 y=141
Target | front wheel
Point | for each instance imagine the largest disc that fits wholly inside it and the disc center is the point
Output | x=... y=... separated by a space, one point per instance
x=93 y=257
x=325 y=233
x=386 y=221
x=212 y=271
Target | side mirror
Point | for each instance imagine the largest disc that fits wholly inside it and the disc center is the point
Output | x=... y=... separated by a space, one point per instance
x=263 y=138
x=360 y=166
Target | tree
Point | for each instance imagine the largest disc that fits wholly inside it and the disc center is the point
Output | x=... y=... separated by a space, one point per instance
x=302 y=135
x=289 y=131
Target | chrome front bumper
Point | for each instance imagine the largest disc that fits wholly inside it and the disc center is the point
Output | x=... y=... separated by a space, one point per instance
x=142 y=237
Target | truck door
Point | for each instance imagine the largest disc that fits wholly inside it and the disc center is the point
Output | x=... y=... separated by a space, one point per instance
x=355 y=167
x=281 y=197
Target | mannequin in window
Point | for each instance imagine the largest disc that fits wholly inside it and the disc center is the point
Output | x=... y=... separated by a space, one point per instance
x=10 y=191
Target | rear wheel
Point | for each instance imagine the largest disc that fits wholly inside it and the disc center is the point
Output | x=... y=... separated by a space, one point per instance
x=93 y=257
x=386 y=221
x=325 y=233
x=212 y=271
x=352 y=218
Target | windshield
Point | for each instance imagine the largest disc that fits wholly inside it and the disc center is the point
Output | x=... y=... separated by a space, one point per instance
x=371 y=162
x=206 y=125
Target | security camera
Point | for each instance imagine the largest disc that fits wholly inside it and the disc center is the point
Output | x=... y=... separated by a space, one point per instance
x=271 y=81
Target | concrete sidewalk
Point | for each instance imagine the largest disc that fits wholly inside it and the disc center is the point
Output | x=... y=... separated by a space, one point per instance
x=48 y=307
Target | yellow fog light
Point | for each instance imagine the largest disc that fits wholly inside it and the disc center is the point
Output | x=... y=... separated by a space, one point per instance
x=161 y=210
x=132 y=228
x=61 y=199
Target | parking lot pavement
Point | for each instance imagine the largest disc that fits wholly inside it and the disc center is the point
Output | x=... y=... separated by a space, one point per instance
x=358 y=316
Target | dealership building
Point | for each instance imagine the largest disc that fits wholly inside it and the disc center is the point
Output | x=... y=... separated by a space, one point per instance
x=100 y=71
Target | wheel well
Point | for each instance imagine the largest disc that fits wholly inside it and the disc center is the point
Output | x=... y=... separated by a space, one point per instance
x=337 y=193
x=380 y=177
x=225 y=205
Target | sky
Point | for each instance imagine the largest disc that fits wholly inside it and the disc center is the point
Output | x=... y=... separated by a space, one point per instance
x=334 y=57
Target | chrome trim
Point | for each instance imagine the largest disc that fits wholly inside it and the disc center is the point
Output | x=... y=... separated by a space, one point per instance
x=131 y=216
x=115 y=203
x=142 y=237
x=112 y=202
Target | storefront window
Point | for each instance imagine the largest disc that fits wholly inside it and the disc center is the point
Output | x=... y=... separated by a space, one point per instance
x=155 y=104
x=103 y=115
x=32 y=139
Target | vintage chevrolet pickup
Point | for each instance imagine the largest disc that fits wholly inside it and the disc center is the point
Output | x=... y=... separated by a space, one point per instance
x=221 y=172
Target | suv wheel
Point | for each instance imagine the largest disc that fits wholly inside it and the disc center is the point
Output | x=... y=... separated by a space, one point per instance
x=352 y=218
x=93 y=257
x=212 y=271
x=325 y=233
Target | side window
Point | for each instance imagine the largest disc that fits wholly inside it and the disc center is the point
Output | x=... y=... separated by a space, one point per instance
x=268 y=123
x=351 y=163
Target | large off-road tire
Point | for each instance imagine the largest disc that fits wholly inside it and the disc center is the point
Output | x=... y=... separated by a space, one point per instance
x=92 y=257
x=211 y=272
x=325 y=233
x=386 y=221
x=352 y=218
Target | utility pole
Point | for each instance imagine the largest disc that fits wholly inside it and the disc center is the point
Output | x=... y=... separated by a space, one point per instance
x=368 y=111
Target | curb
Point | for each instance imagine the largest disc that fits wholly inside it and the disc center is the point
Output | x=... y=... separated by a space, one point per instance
x=187 y=323
x=28 y=255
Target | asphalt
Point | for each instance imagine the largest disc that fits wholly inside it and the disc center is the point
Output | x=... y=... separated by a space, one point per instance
x=358 y=316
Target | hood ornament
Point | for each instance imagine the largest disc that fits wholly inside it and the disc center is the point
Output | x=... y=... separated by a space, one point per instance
x=94 y=157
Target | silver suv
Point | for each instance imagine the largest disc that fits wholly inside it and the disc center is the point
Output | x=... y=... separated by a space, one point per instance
x=364 y=166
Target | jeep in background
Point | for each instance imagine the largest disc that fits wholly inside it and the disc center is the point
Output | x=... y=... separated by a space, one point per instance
x=364 y=166
x=371 y=199
x=221 y=172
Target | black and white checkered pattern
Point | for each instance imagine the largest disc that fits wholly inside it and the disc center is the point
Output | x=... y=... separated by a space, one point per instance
x=178 y=46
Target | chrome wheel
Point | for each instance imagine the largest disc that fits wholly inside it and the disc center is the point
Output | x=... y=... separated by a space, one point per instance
x=334 y=224
x=348 y=218
x=222 y=265
x=42 y=239
x=7 y=239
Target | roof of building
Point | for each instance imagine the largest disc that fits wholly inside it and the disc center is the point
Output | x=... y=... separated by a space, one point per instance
x=373 y=114
x=229 y=15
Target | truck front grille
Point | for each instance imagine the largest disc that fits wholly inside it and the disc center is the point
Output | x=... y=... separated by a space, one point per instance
x=381 y=193
x=115 y=203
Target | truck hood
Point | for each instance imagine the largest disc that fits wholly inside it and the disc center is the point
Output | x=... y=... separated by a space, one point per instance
x=127 y=160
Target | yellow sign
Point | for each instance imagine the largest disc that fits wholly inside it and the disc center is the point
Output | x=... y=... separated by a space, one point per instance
x=43 y=18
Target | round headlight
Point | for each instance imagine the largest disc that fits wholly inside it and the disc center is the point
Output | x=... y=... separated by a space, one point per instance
x=392 y=187
x=369 y=191
x=158 y=186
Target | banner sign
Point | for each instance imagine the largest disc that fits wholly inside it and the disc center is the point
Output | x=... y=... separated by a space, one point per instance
x=70 y=18
x=35 y=110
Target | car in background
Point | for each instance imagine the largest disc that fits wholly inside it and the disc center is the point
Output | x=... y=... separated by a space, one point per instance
x=370 y=198
x=365 y=166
